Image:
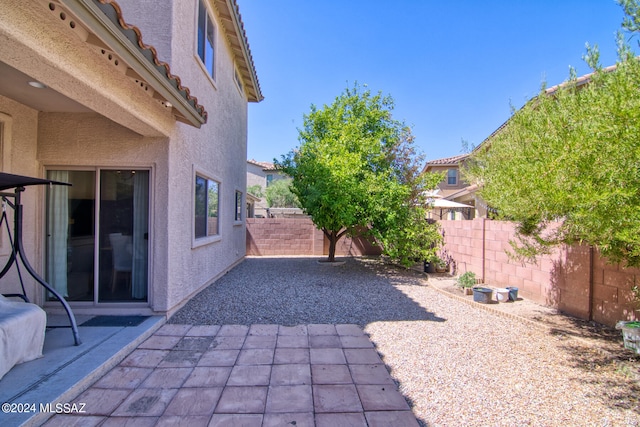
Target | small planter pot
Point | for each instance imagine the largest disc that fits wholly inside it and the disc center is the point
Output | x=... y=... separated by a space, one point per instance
x=467 y=291
x=513 y=293
x=429 y=267
x=482 y=295
x=630 y=335
x=502 y=294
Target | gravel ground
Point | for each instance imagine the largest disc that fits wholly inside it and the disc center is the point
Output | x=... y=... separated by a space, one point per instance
x=456 y=363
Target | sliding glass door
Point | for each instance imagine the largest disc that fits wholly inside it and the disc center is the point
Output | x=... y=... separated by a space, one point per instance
x=123 y=235
x=98 y=235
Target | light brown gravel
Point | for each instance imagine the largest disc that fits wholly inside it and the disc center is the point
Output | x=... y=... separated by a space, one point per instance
x=458 y=363
x=479 y=368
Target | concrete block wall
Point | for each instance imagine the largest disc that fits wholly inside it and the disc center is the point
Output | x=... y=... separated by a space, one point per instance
x=573 y=279
x=613 y=298
x=298 y=236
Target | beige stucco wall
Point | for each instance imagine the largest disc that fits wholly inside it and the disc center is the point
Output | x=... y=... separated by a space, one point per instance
x=68 y=140
x=130 y=129
x=443 y=185
x=256 y=175
x=36 y=41
x=18 y=155
x=217 y=150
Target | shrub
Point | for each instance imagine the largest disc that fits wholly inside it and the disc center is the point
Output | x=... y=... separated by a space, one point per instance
x=467 y=280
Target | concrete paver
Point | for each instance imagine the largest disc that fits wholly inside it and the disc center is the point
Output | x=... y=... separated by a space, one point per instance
x=327 y=356
x=336 y=398
x=289 y=398
x=237 y=375
x=331 y=374
x=291 y=355
x=248 y=375
x=346 y=419
x=293 y=341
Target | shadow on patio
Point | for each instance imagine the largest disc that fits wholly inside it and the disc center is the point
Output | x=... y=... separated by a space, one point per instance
x=66 y=369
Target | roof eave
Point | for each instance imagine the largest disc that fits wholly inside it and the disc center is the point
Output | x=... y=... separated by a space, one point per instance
x=97 y=16
x=235 y=30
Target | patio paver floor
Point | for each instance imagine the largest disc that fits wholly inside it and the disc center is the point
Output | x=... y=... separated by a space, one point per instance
x=234 y=375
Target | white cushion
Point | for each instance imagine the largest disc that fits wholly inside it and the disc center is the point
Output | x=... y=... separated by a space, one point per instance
x=22 y=327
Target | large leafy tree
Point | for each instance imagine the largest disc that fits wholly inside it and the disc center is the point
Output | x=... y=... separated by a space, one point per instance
x=566 y=167
x=279 y=194
x=356 y=170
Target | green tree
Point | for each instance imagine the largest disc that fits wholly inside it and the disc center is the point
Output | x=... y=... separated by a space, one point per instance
x=255 y=190
x=356 y=170
x=566 y=167
x=279 y=194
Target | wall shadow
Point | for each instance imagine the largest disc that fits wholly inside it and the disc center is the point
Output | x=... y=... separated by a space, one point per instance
x=618 y=374
x=569 y=282
x=251 y=246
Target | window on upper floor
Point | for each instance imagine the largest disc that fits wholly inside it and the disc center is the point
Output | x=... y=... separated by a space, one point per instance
x=452 y=177
x=269 y=179
x=236 y=77
x=206 y=39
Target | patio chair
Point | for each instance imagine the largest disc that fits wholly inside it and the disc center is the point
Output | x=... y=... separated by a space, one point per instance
x=122 y=258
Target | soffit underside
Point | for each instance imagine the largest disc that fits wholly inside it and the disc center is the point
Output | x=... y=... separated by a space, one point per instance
x=235 y=34
x=100 y=24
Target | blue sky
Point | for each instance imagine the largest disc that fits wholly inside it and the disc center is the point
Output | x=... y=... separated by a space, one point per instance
x=452 y=67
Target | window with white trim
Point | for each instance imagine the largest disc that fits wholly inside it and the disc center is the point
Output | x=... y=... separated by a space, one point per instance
x=452 y=176
x=207 y=199
x=236 y=77
x=238 y=216
x=206 y=39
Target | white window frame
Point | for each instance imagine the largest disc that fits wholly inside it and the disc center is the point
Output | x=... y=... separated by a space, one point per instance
x=239 y=208
x=206 y=239
x=211 y=72
x=151 y=236
x=455 y=176
x=238 y=80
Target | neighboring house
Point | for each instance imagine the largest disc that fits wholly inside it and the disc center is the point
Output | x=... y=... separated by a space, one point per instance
x=142 y=106
x=454 y=189
x=261 y=174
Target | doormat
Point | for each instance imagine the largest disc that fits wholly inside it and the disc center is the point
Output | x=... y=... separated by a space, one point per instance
x=119 y=321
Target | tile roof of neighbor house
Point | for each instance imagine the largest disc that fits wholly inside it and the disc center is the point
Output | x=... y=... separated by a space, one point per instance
x=266 y=166
x=580 y=81
x=447 y=160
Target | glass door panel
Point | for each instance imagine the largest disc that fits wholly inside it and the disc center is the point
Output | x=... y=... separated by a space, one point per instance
x=71 y=234
x=123 y=235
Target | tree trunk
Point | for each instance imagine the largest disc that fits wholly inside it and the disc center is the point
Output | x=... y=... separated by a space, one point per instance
x=333 y=237
x=332 y=246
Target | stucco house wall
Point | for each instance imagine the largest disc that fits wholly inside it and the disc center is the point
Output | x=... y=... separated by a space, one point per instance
x=217 y=150
x=460 y=192
x=18 y=154
x=119 y=125
x=257 y=175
